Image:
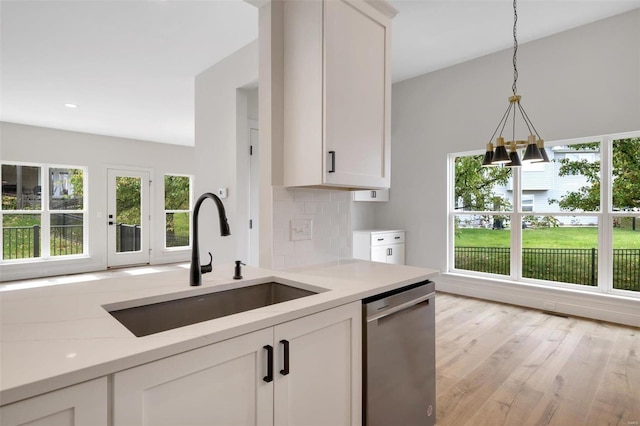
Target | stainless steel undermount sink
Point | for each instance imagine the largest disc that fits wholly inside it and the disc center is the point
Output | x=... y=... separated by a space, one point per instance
x=156 y=317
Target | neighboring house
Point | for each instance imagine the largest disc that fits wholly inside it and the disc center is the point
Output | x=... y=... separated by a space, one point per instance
x=541 y=183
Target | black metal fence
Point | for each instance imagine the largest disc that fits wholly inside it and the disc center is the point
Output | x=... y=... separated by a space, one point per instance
x=173 y=240
x=127 y=237
x=23 y=242
x=577 y=266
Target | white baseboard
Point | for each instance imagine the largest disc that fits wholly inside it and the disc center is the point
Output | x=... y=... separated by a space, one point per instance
x=605 y=307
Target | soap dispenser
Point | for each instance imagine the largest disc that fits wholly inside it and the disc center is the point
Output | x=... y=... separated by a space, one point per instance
x=238 y=271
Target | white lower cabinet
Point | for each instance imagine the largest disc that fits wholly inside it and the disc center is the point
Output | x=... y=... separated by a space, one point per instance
x=233 y=383
x=386 y=246
x=324 y=384
x=84 y=404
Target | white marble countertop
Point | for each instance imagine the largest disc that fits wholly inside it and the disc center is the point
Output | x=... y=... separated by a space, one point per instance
x=52 y=337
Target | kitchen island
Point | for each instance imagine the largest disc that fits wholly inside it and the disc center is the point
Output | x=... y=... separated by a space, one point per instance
x=56 y=337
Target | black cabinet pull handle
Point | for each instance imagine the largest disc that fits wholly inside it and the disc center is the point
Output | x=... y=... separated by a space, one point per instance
x=269 y=377
x=285 y=370
x=373 y=194
x=380 y=239
x=333 y=162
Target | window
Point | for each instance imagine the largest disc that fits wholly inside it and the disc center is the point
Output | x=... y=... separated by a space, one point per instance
x=177 y=210
x=528 y=202
x=575 y=224
x=42 y=217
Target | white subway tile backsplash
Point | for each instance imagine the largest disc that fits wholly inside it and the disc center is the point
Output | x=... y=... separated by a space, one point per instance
x=283 y=248
x=280 y=234
x=341 y=196
x=313 y=207
x=303 y=246
x=331 y=207
x=303 y=194
x=330 y=213
x=322 y=196
x=282 y=194
x=278 y=262
x=299 y=207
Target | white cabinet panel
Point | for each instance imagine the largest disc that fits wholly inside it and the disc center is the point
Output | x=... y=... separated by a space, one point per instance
x=355 y=94
x=372 y=195
x=84 y=404
x=220 y=384
x=379 y=254
x=396 y=254
x=323 y=385
x=337 y=89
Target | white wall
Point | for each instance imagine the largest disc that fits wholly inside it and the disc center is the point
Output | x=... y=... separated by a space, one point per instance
x=97 y=153
x=216 y=149
x=582 y=82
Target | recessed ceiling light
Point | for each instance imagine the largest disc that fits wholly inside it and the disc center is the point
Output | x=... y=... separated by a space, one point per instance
x=71 y=105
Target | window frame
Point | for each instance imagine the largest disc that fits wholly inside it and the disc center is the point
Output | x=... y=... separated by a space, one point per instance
x=46 y=212
x=605 y=217
x=165 y=211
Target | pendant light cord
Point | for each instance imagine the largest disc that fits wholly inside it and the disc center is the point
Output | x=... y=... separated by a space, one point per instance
x=515 y=49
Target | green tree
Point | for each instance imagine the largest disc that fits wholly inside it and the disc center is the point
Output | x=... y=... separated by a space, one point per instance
x=474 y=184
x=128 y=200
x=626 y=177
x=77 y=181
x=176 y=192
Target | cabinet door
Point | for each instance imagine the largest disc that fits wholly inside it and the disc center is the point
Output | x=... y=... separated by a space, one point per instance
x=379 y=253
x=396 y=254
x=219 y=384
x=323 y=385
x=79 y=405
x=356 y=94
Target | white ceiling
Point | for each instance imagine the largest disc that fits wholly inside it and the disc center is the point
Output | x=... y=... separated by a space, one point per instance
x=130 y=65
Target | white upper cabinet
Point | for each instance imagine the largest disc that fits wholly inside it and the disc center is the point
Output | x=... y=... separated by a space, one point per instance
x=337 y=92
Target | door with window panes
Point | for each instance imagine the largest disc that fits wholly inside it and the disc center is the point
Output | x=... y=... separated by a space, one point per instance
x=128 y=217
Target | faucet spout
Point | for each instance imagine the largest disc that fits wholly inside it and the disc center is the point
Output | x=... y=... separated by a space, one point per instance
x=196 y=270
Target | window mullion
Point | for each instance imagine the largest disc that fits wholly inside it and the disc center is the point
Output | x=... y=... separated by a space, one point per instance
x=605 y=224
x=45 y=219
x=516 y=226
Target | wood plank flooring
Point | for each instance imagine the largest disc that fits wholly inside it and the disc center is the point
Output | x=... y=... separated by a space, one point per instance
x=506 y=365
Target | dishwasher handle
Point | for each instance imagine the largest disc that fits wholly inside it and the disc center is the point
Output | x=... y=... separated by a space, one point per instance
x=400 y=307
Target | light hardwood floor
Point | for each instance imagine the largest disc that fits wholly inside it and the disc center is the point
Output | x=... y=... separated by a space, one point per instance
x=505 y=365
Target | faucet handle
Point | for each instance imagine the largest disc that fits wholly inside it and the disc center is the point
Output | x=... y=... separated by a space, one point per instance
x=208 y=267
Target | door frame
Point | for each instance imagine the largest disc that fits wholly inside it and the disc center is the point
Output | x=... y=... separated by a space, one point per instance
x=254 y=196
x=142 y=257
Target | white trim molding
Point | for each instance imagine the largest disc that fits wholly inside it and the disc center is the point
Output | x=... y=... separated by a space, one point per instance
x=605 y=307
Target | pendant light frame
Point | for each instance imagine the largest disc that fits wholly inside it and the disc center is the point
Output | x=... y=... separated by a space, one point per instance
x=534 y=144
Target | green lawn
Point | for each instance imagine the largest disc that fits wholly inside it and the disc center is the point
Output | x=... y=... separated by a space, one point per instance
x=562 y=237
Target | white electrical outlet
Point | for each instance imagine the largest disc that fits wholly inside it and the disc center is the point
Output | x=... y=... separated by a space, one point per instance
x=301 y=229
x=222 y=192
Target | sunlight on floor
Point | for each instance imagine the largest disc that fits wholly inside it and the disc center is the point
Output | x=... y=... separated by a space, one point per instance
x=93 y=276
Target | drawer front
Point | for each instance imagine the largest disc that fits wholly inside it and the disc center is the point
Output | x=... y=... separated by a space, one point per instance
x=384 y=238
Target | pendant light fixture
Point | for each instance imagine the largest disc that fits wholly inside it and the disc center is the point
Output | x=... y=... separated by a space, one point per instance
x=534 y=144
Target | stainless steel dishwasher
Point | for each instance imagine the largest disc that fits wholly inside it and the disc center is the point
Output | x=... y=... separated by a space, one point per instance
x=399 y=357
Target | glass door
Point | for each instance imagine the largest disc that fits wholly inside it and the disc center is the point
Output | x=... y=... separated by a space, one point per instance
x=128 y=217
